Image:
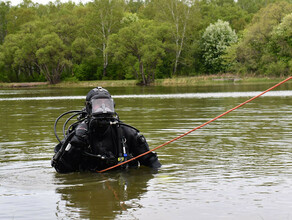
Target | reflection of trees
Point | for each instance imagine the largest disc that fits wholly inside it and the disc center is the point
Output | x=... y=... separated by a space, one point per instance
x=98 y=196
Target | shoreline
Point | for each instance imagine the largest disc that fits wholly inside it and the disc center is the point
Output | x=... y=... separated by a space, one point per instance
x=176 y=81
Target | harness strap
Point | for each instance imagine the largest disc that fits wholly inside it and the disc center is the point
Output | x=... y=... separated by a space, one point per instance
x=123 y=150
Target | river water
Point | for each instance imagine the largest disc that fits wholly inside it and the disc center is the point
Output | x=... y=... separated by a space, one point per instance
x=238 y=167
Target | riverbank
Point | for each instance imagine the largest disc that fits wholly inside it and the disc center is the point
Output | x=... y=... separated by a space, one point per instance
x=176 y=81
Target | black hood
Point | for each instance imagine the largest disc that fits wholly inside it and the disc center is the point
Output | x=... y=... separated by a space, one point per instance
x=98 y=92
x=99 y=102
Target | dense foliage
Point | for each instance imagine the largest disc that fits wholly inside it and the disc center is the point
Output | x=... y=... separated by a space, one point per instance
x=143 y=40
x=215 y=40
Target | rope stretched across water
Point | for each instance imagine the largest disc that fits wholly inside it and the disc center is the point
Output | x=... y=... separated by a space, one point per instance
x=196 y=128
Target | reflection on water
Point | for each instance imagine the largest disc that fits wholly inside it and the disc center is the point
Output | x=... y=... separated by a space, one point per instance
x=238 y=167
x=98 y=196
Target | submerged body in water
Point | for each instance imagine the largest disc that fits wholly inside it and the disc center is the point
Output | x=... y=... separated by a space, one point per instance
x=99 y=140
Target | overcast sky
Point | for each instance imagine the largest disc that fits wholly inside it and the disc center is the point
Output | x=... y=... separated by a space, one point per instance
x=16 y=2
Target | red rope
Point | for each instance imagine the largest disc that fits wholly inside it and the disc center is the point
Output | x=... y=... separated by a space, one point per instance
x=190 y=131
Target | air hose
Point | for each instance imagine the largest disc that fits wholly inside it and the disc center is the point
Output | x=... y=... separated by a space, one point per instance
x=78 y=112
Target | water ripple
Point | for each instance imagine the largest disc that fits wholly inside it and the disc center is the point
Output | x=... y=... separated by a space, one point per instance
x=284 y=93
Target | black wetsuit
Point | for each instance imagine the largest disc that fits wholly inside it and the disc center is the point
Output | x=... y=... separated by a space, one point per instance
x=100 y=148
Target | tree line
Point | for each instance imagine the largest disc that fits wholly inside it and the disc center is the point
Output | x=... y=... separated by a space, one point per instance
x=144 y=40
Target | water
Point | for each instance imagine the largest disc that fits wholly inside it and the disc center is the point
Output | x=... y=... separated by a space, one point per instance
x=238 y=167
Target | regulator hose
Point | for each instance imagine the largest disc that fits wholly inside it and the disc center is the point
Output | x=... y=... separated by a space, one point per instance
x=66 y=113
x=66 y=122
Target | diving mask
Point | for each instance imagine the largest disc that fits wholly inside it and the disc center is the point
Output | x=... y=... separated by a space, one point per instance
x=102 y=106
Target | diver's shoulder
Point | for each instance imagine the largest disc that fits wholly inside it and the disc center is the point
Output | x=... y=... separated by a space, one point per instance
x=129 y=128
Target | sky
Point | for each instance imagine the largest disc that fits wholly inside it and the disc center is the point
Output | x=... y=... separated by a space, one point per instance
x=16 y=2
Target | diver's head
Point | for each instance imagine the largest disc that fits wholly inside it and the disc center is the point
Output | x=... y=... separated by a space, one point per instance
x=99 y=103
x=100 y=108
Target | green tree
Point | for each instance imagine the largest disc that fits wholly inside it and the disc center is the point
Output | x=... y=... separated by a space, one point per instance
x=82 y=51
x=19 y=15
x=134 y=6
x=141 y=46
x=103 y=19
x=66 y=23
x=83 y=58
x=4 y=9
x=225 y=10
x=3 y=74
x=8 y=52
x=129 y=18
x=280 y=49
x=253 y=6
x=281 y=40
x=251 y=53
x=51 y=57
x=216 y=38
x=25 y=56
x=177 y=14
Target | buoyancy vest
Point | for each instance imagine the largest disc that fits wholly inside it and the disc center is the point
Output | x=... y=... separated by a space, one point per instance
x=107 y=148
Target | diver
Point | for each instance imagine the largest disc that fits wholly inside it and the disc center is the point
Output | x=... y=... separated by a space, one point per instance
x=98 y=139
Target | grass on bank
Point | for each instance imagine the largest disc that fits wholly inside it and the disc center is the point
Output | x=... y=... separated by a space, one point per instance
x=175 y=81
